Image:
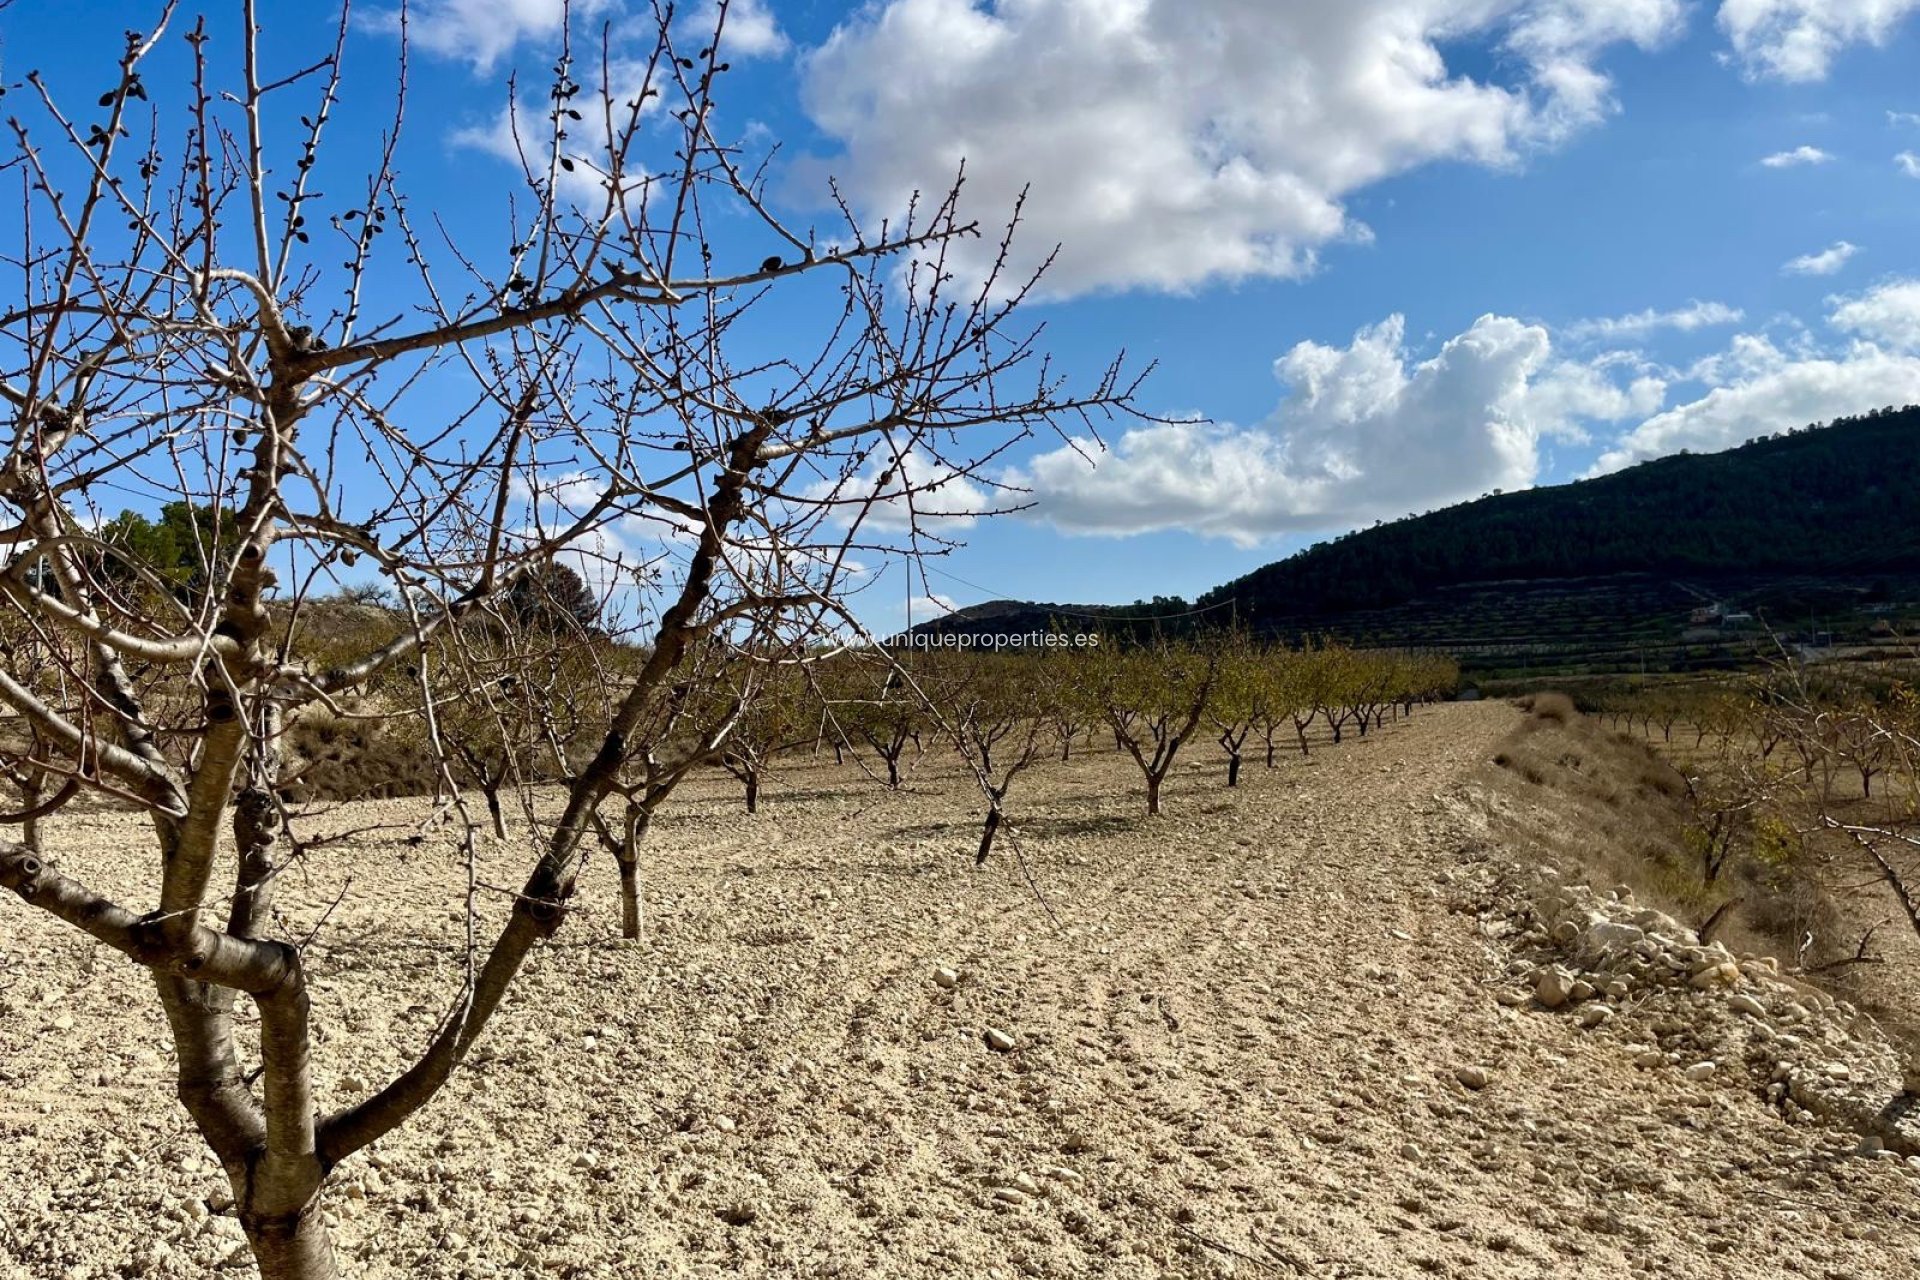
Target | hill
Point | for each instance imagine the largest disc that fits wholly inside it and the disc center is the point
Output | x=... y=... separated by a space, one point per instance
x=1815 y=531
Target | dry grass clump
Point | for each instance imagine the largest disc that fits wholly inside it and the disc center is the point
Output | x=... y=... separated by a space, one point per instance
x=336 y=758
x=1556 y=708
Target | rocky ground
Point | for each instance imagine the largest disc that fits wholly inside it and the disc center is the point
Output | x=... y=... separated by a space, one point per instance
x=1292 y=1029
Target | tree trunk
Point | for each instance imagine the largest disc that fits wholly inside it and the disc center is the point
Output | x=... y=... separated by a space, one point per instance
x=1233 y=769
x=629 y=893
x=1153 y=793
x=986 y=837
x=632 y=897
x=893 y=772
x=292 y=1248
x=492 y=792
x=838 y=758
x=753 y=792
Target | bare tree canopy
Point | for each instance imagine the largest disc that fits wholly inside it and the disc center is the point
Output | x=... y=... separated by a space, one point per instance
x=222 y=308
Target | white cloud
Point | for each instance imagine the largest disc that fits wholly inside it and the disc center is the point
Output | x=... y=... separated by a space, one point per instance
x=927 y=608
x=1798 y=156
x=1903 y=119
x=1756 y=388
x=1786 y=393
x=1888 y=315
x=1909 y=163
x=481 y=32
x=918 y=489
x=1366 y=431
x=1823 y=263
x=1173 y=143
x=1695 y=315
x=1797 y=39
x=751 y=31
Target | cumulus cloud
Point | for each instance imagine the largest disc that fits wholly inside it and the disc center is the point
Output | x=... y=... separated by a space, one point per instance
x=751 y=31
x=1695 y=315
x=1174 y=143
x=1888 y=315
x=917 y=489
x=1823 y=263
x=1797 y=40
x=481 y=32
x=1756 y=388
x=1796 y=157
x=1366 y=430
x=1909 y=163
x=1783 y=392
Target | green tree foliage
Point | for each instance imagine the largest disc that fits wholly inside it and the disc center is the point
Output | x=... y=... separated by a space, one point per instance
x=1843 y=496
x=178 y=548
x=551 y=597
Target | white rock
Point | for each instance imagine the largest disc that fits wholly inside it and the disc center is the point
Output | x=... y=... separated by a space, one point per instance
x=1746 y=1004
x=1701 y=1071
x=946 y=978
x=999 y=1041
x=1472 y=1077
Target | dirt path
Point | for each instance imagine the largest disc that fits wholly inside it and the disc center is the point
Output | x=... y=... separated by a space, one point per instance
x=1237 y=1038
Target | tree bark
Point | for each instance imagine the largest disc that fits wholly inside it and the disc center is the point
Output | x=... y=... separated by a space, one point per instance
x=986 y=837
x=1233 y=769
x=753 y=792
x=1153 y=794
x=293 y=1247
x=632 y=896
x=629 y=861
x=492 y=792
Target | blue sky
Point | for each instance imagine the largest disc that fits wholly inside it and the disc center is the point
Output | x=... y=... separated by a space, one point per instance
x=1398 y=253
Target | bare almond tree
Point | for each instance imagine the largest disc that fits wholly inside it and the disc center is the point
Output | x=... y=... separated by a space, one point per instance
x=204 y=318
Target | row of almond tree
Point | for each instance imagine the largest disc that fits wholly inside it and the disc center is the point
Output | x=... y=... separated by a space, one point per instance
x=1805 y=785
x=519 y=719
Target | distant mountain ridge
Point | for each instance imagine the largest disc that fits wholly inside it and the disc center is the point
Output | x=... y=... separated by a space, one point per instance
x=1809 y=527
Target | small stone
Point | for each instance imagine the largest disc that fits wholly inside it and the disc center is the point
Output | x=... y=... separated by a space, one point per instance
x=1581 y=990
x=1837 y=1071
x=1724 y=974
x=999 y=1041
x=1594 y=1014
x=1010 y=1196
x=1647 y=1059
x=1412 y=1152
x=1472 y=1077
x=946 y=978
x=1746 y=1004
x=1553 y=987
x=724 y=1124
x=1024 y=1182
x=1701 y=1071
